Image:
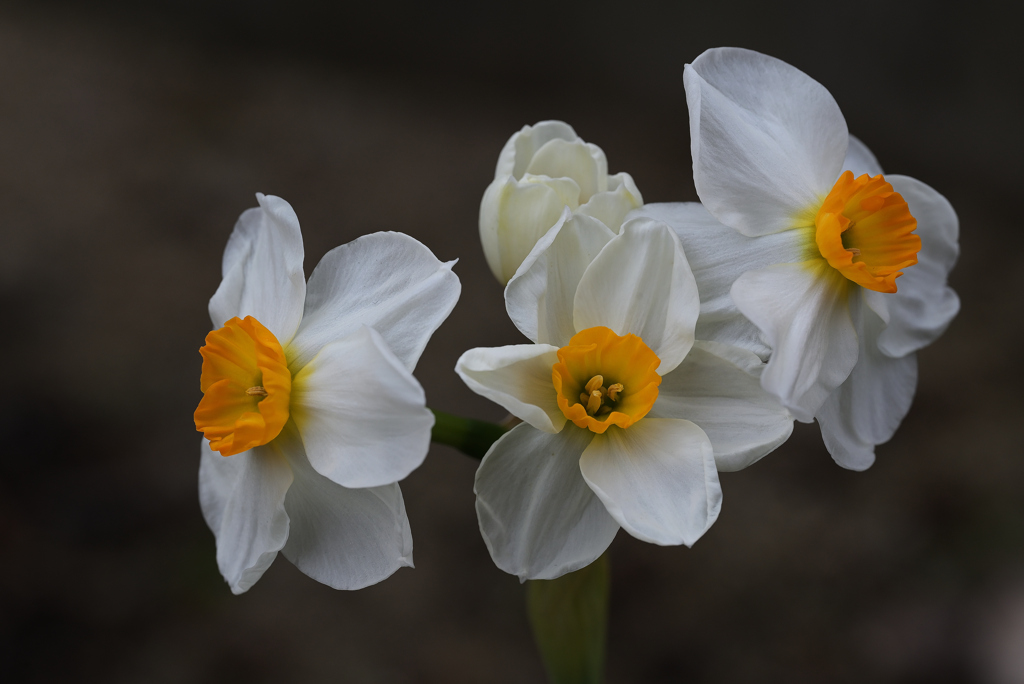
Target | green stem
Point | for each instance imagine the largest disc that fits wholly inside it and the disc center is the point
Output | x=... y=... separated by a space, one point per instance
x=569 y=617
x=471 y=437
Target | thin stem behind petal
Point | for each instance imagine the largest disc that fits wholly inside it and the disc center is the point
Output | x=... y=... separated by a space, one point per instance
x=471 y=437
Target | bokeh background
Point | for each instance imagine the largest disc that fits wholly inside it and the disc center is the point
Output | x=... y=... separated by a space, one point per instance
x=133 y=134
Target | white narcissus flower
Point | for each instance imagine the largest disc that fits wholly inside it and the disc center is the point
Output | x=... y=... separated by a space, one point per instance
x=310 y=399
x=542 y=169
x=627 y=419
x=842 y=271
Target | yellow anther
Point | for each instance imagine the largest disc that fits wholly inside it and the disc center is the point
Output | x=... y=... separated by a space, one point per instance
x=584 y=398
x=595 y=383
x=614 y=390
x=257 y=391
x=594 y=402
x=604 y=411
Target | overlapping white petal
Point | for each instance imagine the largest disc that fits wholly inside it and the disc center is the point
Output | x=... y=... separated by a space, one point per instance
x=515 y=214
x=583 y=162
x=718 y=387
x=262 y=270
x=388 y=281
x=860 y=159
x=641 y=283
x=345 y=538
x=924 y=305
x=518 y=152
x=767 y=140
x=657 y=479
x=868 y=407
x=518 y=378
x=718 y=255
x=540 y=297
x=611 y=206
x=537 y=516
x=362 y=415
x=242 y=498
x=803 y=311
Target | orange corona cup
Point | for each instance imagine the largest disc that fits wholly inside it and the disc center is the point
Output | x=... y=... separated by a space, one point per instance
x=246 y=386
x=603 y=379
x=865 y=231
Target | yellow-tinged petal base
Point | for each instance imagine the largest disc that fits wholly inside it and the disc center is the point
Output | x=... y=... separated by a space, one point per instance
x=603 y=379
x=865 y=231
x=246 y=387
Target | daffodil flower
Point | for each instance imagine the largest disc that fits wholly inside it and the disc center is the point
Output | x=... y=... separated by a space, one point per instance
x=627 y=419
x=841 y=270
x=311 y=414
x=542 y=169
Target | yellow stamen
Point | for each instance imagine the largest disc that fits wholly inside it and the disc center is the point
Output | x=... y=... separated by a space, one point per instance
x=246 y=387
x=590 y=357
x=865 y=231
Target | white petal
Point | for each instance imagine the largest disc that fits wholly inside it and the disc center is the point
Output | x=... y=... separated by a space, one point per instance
x=718 y=387
x=520 y=148
x=566 y=189
x=538 y=517
x=242 y=497
x=767 y=140
x=867 y=408
x=490 y=206
x=611 y=207
x=362 y=415
x=345 y=538
x=514 y=215
x=518 y=377
x=860 y=159
x=641 y=283
x=878 y=302
x=583 y=162
x=923 y=305
x=262 y=270
x=388 y=281
x=718 y=255
x=657 y=478
x=803 y=312
x=539 y=299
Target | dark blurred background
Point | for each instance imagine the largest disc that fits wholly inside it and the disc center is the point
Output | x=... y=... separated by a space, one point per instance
x=133 y=134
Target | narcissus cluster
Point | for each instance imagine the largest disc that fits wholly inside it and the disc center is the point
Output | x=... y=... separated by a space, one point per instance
x=666 y=342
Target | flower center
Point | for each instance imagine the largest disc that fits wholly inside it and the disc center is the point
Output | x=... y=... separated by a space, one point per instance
x=865 y=231
x=246 y=386
x=604 y=379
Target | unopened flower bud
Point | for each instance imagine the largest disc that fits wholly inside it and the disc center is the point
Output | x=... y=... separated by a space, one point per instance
x=541 y=170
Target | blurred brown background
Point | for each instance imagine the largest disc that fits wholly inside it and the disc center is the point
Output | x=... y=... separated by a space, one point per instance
x=130 y=140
